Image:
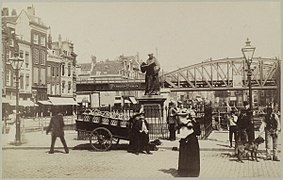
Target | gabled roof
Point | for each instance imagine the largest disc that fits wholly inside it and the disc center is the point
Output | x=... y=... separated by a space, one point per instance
x=33 y=19
x=85 y=66
x=107 y=67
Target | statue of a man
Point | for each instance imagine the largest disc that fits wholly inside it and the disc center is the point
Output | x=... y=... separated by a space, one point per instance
x=151 y=69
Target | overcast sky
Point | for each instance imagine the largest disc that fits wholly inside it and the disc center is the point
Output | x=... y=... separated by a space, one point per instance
x=183 y=33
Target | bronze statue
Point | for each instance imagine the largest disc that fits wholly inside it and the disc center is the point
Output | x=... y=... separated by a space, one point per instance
x=151 y=69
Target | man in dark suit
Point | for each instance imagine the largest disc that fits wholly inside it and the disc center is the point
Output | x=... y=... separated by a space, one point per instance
x=134 y=135
x=245 y=125
x=56 y=126
x=142 y=127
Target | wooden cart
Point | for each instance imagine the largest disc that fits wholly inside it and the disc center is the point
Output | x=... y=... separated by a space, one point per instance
x=104 y=128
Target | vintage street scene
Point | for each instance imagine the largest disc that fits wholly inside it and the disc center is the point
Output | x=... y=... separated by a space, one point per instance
x=124 y=89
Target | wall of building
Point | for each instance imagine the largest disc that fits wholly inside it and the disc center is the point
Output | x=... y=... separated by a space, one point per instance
x=26 y=70
x=22 y=27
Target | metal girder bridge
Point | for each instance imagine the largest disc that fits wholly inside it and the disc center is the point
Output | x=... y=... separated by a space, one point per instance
x=224 y=74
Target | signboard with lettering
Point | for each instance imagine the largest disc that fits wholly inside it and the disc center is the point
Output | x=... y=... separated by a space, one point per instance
x=125 y=86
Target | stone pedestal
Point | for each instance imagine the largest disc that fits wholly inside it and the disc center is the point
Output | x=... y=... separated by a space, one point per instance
x=154 y=114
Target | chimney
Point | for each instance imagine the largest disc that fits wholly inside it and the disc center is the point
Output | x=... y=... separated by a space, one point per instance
x=49 y=40
x=60 y=40
x=49 y=43
x=93 y=59
x=31 y=10
x=60 y=44
x=5 y=12
x=14 y=12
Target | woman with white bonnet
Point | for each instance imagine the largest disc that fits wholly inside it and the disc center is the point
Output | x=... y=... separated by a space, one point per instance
x=189 y=154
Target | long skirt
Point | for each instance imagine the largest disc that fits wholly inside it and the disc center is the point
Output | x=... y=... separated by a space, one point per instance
x=189 y=157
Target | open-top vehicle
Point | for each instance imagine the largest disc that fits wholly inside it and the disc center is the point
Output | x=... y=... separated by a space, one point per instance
x=103 y=128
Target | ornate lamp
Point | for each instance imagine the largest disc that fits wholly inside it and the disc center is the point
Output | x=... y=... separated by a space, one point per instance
x=248 y=52
x=16 y=63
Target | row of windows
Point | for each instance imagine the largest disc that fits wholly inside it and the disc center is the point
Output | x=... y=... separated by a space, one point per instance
x=39 y=56
x=54 y=89
x=23 y=81
x=55 y=70
x=40 y=40
x=69 y=69
x=22 y=54
x=25 y=56
x=38 y=76
x=69 y=86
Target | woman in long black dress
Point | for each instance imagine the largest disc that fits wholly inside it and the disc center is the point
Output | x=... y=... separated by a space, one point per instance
x=189 y=154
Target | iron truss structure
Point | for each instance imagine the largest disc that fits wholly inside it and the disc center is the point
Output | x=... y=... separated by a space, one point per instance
x=224 y=74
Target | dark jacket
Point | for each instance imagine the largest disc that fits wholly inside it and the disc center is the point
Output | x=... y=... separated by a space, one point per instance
x=138 y=125
x=244 y=120
x=56 y=126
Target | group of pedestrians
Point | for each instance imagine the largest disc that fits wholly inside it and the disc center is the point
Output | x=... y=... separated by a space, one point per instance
x=241 y=126
x=177 y=114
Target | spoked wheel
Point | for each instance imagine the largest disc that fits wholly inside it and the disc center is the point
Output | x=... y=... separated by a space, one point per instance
x=100 y=139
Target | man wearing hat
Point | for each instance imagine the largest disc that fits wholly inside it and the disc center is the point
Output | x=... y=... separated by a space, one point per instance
x=151 y=69
x=271 y=127
x=232 y=121
x=172 y=121
x=56 y=126
x=244 y=124
x=141 y=129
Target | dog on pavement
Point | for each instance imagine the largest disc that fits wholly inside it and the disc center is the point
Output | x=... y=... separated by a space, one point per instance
x=248 y=149
x=153 y=144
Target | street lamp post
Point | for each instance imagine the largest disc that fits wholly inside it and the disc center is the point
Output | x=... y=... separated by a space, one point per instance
x=248 y=52
x=16 y=63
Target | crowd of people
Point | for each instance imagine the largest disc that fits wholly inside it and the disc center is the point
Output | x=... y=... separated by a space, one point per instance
x=242 y=127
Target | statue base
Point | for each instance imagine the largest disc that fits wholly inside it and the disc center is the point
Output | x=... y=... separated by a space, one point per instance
x=154 y=115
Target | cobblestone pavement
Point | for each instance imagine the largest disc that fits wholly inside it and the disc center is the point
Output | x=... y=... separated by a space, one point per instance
x=84 y=163
x=31 y=160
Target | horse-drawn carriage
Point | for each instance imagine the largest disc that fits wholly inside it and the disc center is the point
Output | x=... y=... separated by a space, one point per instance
x=103 y=128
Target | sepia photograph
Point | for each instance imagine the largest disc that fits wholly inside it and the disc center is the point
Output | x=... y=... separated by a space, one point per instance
x=141 y=89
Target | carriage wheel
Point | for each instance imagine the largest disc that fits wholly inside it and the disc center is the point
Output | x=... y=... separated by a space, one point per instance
x=100 y=139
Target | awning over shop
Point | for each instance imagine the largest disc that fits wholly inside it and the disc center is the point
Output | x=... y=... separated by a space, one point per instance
x=127 y=101
x=47 y=103
x=59 y=101
x=134 y=101
x=83 y=98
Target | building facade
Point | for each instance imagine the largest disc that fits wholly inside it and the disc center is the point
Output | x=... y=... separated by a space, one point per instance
x=30 y=41
x=53 y=74
x=48 y=68
x=110 y=71
x=65 y=50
